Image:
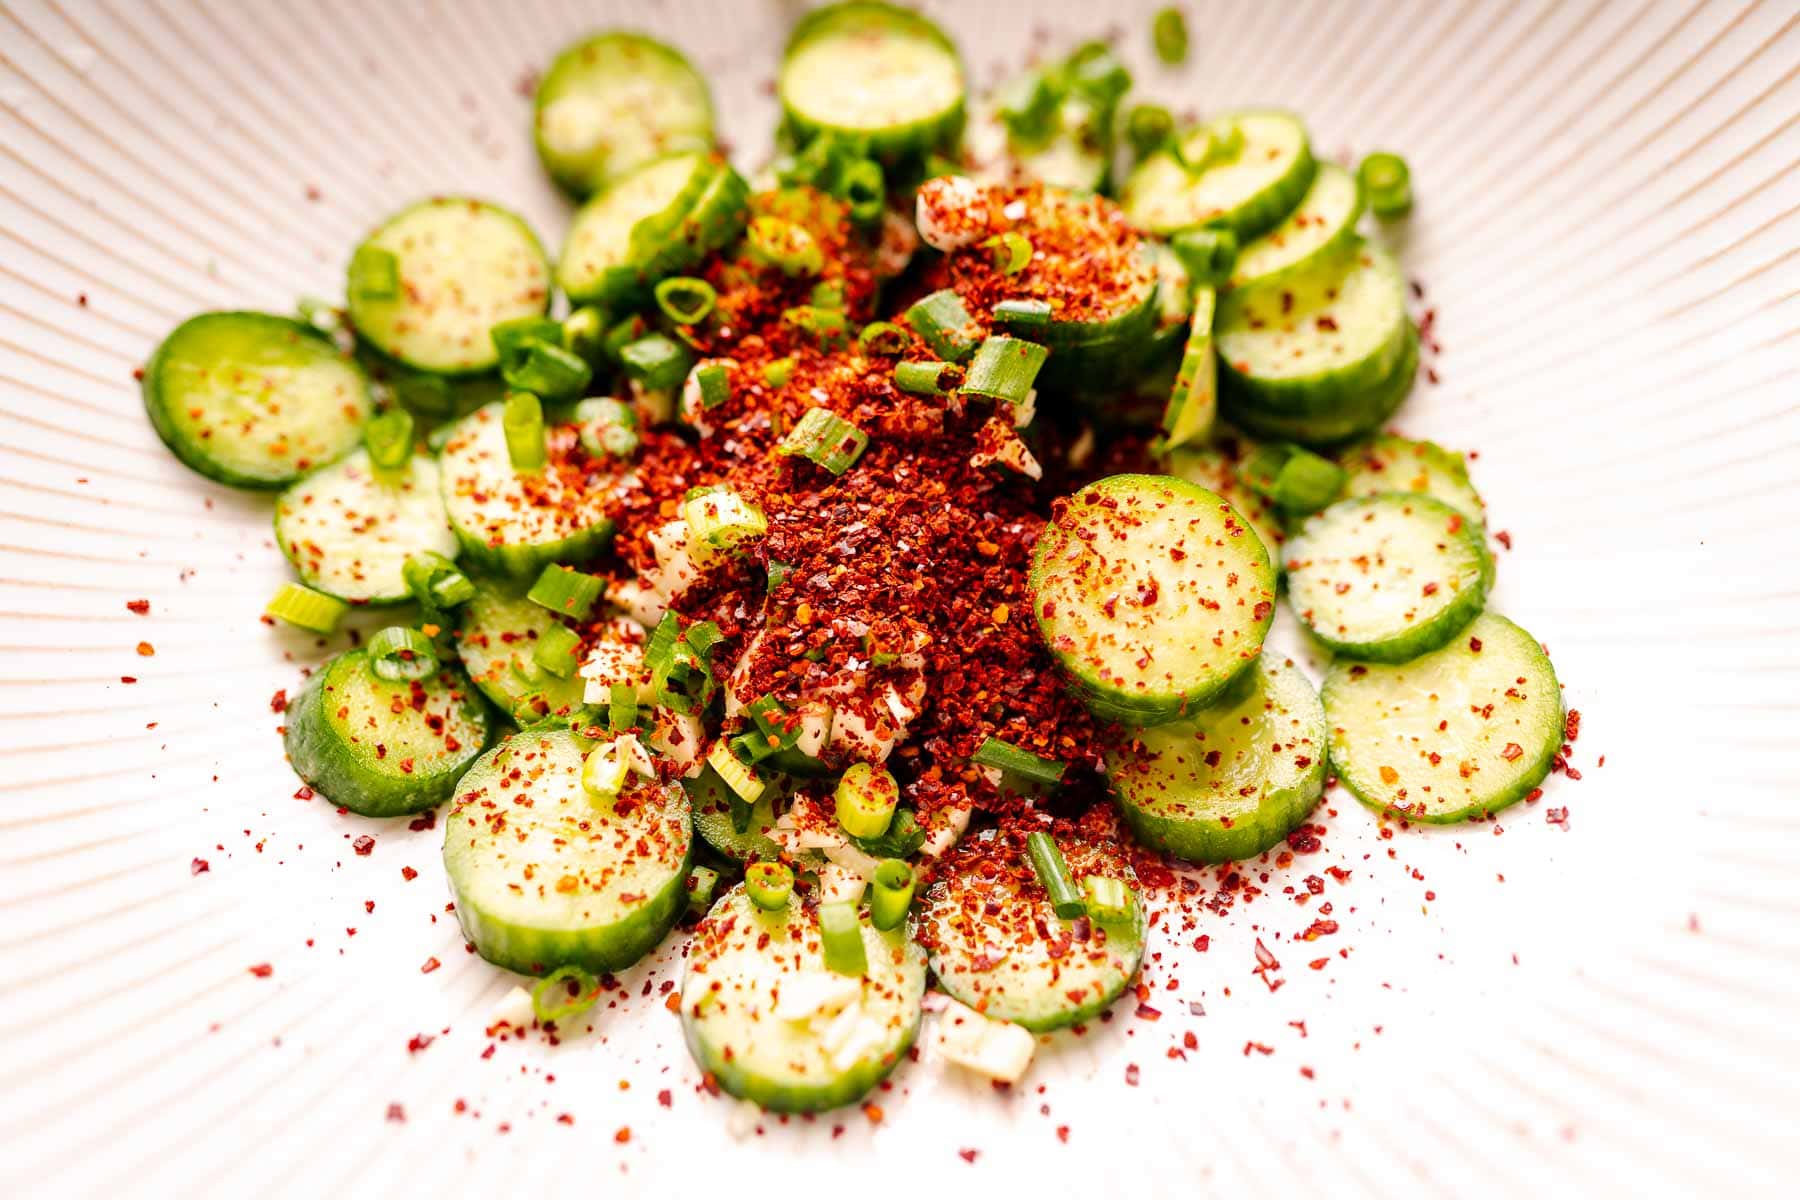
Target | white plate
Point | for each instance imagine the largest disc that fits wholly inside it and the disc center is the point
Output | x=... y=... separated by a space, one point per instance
x=1606 y=227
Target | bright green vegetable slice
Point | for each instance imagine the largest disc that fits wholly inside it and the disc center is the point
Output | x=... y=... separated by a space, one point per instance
x=655 y=221
x=1245 y=171
x=1214 y=468
x=1321 y=230
x=349 y=532
x=1344 y=414
x=498 y=636
x=1387 y=463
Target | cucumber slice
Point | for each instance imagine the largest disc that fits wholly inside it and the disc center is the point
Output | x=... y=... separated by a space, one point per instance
x=1319 y=344
x=1249 y=188
x=499 y=632
x=655 y=221
x=1319 y=232
x=765 y=1017
x=383 y=749
x=711 y=801
x=883 y=78
x=1152 y=593
x=1386 y=578
x=998 y=946
x=612 y=102
x=1388 y=463
x=253 y=400
x=1215 y=468
x=1233 y=780
x=513 y=523
x=1194 y=399
x=464 y=267
x=1348 y=415
x=1459 y=733
x=1099 y=277
x=545 y=875
x=349 y=533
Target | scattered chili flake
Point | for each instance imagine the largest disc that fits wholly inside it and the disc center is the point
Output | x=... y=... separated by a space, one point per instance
x=665 y=1098
x=431 y=964
x=364 y=845
x=967 y=1155
x=408 y=874
x=565 y=1118
x=623 y=1135
x=1504 y=538
x=140 y=607
x=199 y=867
x=262 y=970
x=128 y=679
x=303 y=793
x=397 y=1114
x=873 y=1113
x=418 y=1042
x=1131 y=1074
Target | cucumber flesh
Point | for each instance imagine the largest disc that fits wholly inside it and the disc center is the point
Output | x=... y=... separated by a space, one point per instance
x=384 y=749
x=882 y=77
x=1387 y=463
x=1215 y=468
x=498 y=634
x=1194 y=399
x=1455 y=734
x=254 y=400
x=1347 y=414
x=611 y=103
x=657 y=220
x=1231 y=781
x=465 y=266
x=545 y=875
x=766 y=1018
x=515 y=523
x=711 y=801
x=996 y=944
x=1249 y=191
x=1152 y=593
x=1320 y=231
x=1387 y=577
x=349 y=532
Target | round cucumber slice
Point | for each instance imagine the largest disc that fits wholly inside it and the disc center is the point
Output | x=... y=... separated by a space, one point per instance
x=1152 y=593
x=517 y=523
x=657 y=220
x=1455 y=734
x=1322 y=230
x=1232 y=781
x=496 y=640
x=1245 y=171
x=1215 y=468
x=882 y=77
x=1387 y=577
x=384 y=749
x=1348 y=414
x=546 y=875
x=1388 y=463
x=772 y=1023
x=463 y=266
x=996 y=944
x=349 y=532
x=254 y=400
x=614 y=101
x=711 y=801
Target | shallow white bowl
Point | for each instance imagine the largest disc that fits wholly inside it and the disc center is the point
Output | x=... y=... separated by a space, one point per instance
x=1607 y=227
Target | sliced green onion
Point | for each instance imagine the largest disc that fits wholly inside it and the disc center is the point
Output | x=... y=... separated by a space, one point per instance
x=712 y=380
x=389 y=438
x=777 y=372
x=825 y=438
x=1011 y=251
x=584 y=331
x=1108 y=899
x=435 y=581
x=785 y=246
x=841 y=939
x=1004 y=369
x=1007 y=757
x=607 y=427
x=686 y=300
x=902 y=839
x=1387 y=183
x=751 y=747
x=522 y=420
x=1027 y=105
x=943 y=321
x=1208 y=254
x=864 y=189
x=1022 y=315
x=702 y=885
x=892 y=895
x=304 y=608
x=827 y=293
x=928 y=378
x=604 y=771
x=825 y=326
x=399 y=654
x=548 y=370
x=542 y=996
x=374 y=274
x=769 y=885
x=1096 y=72
x=866 y=798
x=621 y=335
x=1148 y=128
x=883 y=338
x=744 y=783
x=427 y=394
x=723 y=519
x=567 y=592
x=657 y=362
x=1053 y=874
x=1168 y=32
x=557 y=650
x=621 y=707
x=513 y=339
x=1306 y=483
x=681 y=676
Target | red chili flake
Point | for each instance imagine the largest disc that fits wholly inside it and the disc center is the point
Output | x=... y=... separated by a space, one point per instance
x=1131 y=1074
x=313 y=193
x=1146 y=1013
x=1318 y=929
x=431 y=964
x=967 y=1155
x=199 y=867
x=128 y=679
x=1512 y=751
x=424 y=821
x=1572 y=725
x=1558 y=817
x=1318 y=964
x=1062 y=1134
x=262 y=970
x=397 y=1114
x=1258 y=1047
x=303 y=793
x=278 y=702
x=1307 y=1072
x=1504 y=538
x=418 y=1042
x=1475 y=644
x=873 y=1113
x=140 y=607
x=665 y=1098
x=364 y=846
x=565 y=1119
x=408 y=874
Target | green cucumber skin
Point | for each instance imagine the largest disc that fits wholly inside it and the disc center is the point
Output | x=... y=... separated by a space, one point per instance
x=527 y=559
x=1265 y=209
x=507 y=689
x=1336 y=248
x=848 y=1088
x=712 y=819
x=193 y=455
x=1352 y=414
x=320 y=758
x=713 y=219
